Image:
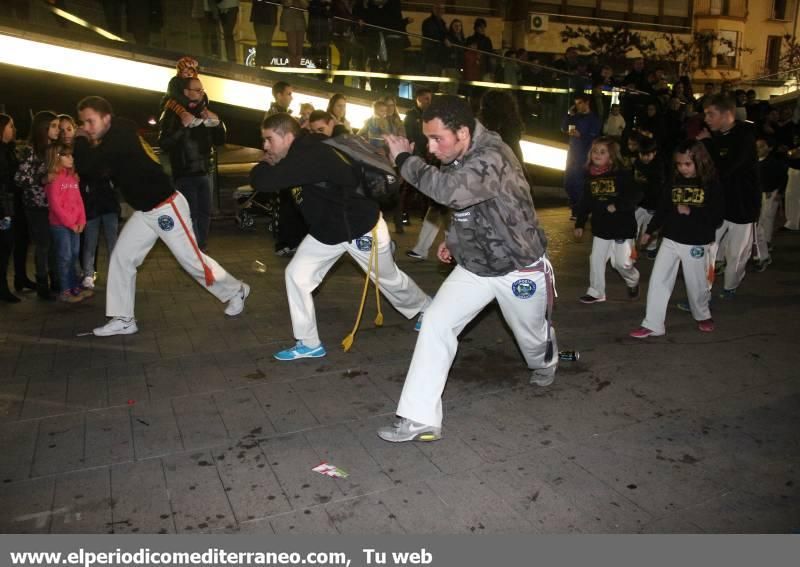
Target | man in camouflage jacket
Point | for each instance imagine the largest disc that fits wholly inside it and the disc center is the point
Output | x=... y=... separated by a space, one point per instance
x=496 y=241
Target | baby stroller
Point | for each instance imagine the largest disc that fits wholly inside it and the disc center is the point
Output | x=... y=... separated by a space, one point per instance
x=249 y=203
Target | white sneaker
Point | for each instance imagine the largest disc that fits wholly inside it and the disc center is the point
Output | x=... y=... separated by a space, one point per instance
x=88 y=282
x=405 y=429
x=236 y=303
x=117 y=326
x=543 y=376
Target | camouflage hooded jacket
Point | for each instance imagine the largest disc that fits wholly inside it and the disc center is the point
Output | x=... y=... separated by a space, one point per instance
x=494 y=229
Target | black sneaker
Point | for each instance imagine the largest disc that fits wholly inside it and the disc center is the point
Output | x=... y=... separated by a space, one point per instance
x=633 y=292
x=591 y=299
x=412 y=254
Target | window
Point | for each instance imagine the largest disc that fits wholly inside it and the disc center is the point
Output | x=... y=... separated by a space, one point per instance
x=727 y=48
x=676 y=8
x=783 y=9
x=773 y=54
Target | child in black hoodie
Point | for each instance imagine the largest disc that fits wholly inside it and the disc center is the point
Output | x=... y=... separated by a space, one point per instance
x=648 y=175
x=610 y=198
x=691 y=208
x=772 y=177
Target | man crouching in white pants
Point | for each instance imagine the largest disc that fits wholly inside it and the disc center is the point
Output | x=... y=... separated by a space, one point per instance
x=111 y=145
x=339 y=220
x=500 y=250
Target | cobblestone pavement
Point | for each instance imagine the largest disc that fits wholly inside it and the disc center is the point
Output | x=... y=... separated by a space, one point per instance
x=190 y=426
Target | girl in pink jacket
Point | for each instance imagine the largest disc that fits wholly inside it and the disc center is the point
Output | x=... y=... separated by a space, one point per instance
x=67 y=220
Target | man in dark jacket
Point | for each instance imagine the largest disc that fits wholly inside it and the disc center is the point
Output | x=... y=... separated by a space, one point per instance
x=106 y=143
x=189 y=151
x=434 y=32
x=340 y=220
x=732 y=146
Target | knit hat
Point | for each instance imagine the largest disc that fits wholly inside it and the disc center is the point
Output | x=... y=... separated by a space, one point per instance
x=188 y=63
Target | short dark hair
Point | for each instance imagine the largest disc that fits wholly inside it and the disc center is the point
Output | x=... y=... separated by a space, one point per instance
x=282 y=123
x=721 y=102
x=422 y=91
x=582 y=97
x=479 y=22
x=751 y=92
x=96 y=103
x=279 y=88
x=769 y=140
x=647 y=145
x=452 y=110
x=320 y=115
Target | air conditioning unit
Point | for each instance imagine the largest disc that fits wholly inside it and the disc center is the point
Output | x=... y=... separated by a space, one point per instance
x=539 y=22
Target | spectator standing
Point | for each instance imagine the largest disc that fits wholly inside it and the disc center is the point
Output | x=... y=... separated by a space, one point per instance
x=204 y=12
x=344 y=38
x=14 y=207
x=434 y=47
x=582 y=126
x=615 y=123
x=31 y=179
x=483 y=43
x=190 y=150
x=320 y=14
x=264 y=16
x=394 y=122
x=454 y=61
x=337 y=106
x=228 y=16
x=8 y=167
x=293 y=24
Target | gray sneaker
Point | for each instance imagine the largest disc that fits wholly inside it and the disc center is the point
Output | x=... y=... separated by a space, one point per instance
x=405 y=429
x=543 y=376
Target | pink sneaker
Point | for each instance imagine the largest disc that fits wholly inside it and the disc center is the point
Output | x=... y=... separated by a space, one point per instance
x=706 y=326
x=643 y=333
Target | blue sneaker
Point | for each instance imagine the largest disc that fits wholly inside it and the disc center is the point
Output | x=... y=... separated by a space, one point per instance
x=418 y=324
x=727 y=294
x=300 y=351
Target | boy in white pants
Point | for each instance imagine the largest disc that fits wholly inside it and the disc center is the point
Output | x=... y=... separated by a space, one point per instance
x=108 y=144
x=733 y=149
x=500 y=249
x=648 y=175
x=772 y=178
x=340 y=220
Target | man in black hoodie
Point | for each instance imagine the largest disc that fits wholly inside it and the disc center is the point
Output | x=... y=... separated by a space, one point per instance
x=340 y=220
x=732 y=146
x=110 y=145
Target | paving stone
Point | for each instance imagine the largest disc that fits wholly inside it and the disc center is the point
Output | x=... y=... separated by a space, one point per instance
x=199 y=421
x=292 y=458
x=87 y=388
x=45 y=395
x=475 y=504
x=126 y=384
x=108 y=437
x=197 y=495
x=155 y=429
x=59 y=445
x=165 y=379
x=27 y=506
x=339 y=398
x=339 y=446
x=242 y=414
x=12 y=396
x=141 y=499
x=420 y=511
x=364 y=515
x=284 y=407
x=252 y=488
x=18 y=440
x=311 y=521
x=83 y=500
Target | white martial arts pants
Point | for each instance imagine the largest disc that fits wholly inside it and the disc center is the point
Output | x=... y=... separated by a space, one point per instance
x=698 y=272
x=792 y=200
x=734 y=247
x=643 y=218
x=436 y=218
x=172 y=223
x=312 y=261
x=766 y=223
x=522 y=297
x=621 y=253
